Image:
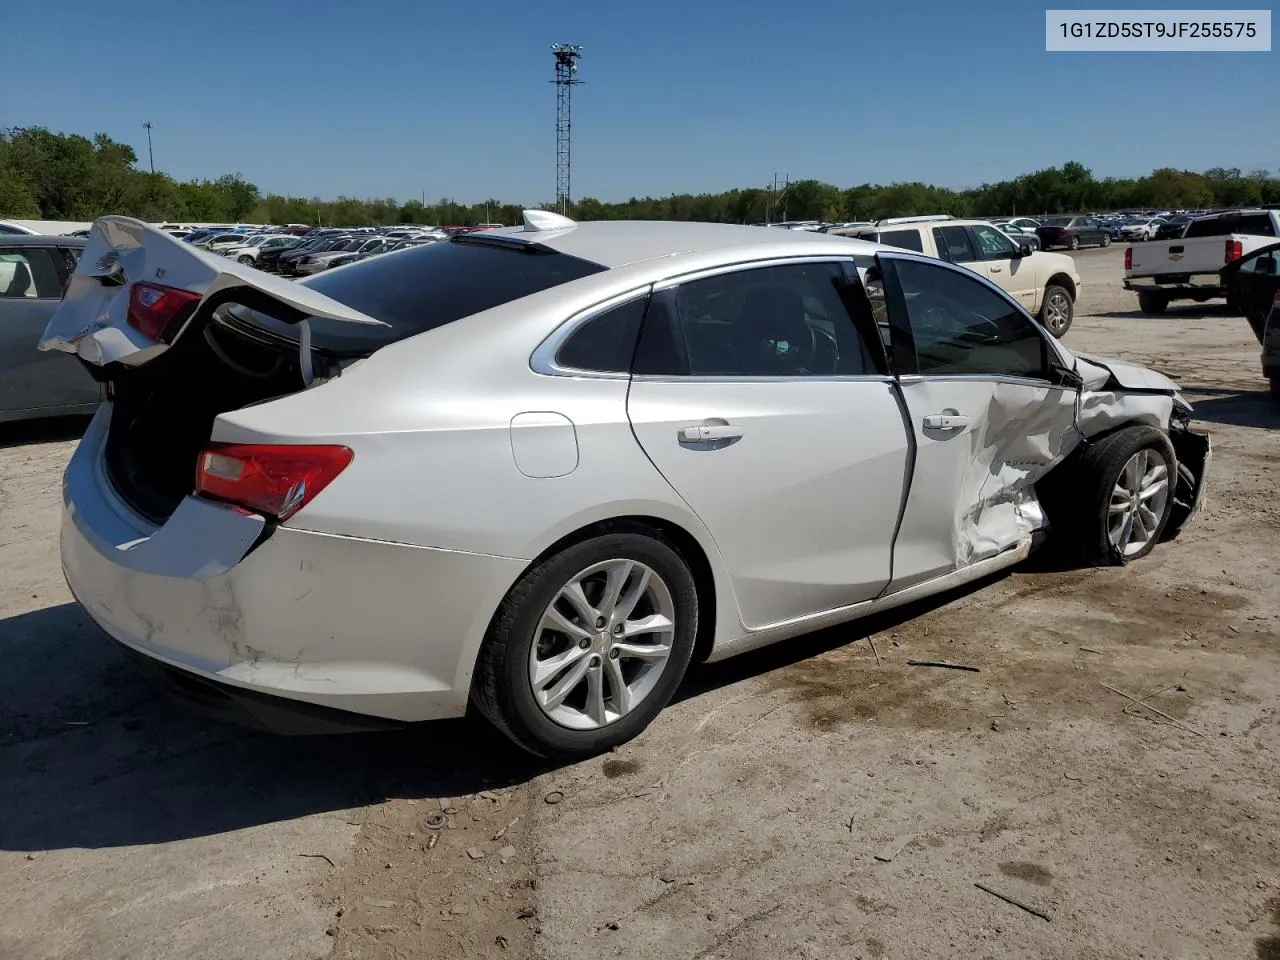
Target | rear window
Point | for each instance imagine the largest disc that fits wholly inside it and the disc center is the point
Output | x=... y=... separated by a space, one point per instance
x=432 y=285
x=906 y=239
x=1056 y=222
x=1255 y=224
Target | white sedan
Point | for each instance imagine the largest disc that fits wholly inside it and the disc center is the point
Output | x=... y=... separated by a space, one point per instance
x=542 y=470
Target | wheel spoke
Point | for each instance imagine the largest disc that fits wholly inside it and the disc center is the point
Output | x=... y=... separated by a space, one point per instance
x=1126 y=532
x=1150 y=519
x=627 y=603
x=656 y=623
x=615 y=580
x=595 y=696
x=553 y=619
x=619 y=692
x=642 y=651
x=547 y=670
x=566 y=685
x=1155 y=481
x=573 y=593
x=1140 y=532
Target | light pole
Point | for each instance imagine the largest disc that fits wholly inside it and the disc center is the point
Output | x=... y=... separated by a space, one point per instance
x=150 y=156
x=567 y=55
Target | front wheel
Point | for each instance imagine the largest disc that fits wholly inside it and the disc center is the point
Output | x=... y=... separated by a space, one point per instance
x=1073 y=243
x=1057 y=311
x=589 y=645
x=1106 y=239
x=246 y=260
x=1124 y=495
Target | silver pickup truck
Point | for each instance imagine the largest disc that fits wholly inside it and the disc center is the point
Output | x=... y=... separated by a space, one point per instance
x=1187 y=268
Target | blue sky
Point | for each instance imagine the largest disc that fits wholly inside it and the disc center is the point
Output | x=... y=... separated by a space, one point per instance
x=396 y=97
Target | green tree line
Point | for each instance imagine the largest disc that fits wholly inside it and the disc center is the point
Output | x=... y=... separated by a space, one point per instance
x=56 y=176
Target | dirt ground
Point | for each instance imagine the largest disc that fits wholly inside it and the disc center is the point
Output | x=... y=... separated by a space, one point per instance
x=816 y=800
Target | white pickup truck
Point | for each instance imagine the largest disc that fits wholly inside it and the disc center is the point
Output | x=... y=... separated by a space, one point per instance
x=1187 y=268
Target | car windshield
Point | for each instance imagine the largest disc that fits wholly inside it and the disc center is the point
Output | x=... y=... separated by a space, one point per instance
x=427 y=287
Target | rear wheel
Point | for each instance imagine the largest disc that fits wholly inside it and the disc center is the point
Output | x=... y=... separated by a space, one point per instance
x=1057 y=311
x=246 y=260
x=1106 y=239
x=1074 y=243
x=1122 y=495
x=589 y=645
x=1152 y=303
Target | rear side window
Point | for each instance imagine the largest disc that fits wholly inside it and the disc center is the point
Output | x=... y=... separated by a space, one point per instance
x=906 y=239
x=954 y=244
x=606 y=342
x=436 y=284
x=1254 y=224
x=29 y=273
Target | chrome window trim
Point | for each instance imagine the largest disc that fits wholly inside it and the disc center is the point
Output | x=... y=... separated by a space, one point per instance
x=753 y=378
x=543 y=359
x=910 y=378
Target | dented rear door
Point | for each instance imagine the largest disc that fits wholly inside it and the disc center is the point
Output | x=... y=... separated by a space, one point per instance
x=93 y=321
x=975 y=377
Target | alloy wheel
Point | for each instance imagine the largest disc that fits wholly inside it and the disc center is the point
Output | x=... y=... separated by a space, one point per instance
x=602 y=644
x=1057 y=312
x=1138 y=502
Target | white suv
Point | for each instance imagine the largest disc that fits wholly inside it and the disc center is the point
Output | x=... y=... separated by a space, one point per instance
x=1046 y=284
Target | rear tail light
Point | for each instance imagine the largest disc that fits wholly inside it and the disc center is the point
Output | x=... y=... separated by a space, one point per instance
x=1128 y=258
x=1235 y=250
x=277 y=480
x=159 y=312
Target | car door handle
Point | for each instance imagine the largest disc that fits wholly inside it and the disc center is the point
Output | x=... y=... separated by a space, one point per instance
x=996 y=269
x=945 y=421
x=709 y=433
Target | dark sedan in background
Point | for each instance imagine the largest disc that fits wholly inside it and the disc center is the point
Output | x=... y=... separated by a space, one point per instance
x=1172 y=228
x=35 y=383
x=1072 y=233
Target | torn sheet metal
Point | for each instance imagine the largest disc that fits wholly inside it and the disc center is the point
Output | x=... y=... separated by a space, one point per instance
x=93 y=319
x=1115 y=393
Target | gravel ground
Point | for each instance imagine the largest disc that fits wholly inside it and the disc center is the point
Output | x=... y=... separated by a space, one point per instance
x=818 y=799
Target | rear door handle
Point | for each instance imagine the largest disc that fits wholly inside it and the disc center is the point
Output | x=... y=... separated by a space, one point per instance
x=945 y=421
x=996 y=269
x=709 y=434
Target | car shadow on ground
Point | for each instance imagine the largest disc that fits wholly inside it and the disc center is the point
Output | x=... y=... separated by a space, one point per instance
x=1240 y=408
x=1181 y=311
x=49 y=430
x=94 y=756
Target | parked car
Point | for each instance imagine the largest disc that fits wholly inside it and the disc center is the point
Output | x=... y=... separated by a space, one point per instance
x=36 y=383
x=518 y=497
x=1072 y=233
x=1190 y=268
x=1044 y=284
x=320 y=260
x=1141 y=230
x=287 y=262
x=1252 y=283
x=252 y=249
x=1172 y=228
x=1018 y=233
x=269 y=259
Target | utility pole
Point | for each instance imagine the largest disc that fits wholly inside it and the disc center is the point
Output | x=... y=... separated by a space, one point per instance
x=150 y=156
x=566 y=55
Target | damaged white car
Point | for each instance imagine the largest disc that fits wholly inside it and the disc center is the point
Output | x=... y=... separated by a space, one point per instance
x=541 y=470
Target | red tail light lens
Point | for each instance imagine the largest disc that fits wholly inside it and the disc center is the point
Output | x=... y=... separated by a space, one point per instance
x=1128 y=258
x=275 y=480
x=158 y=312
x=1235 y=250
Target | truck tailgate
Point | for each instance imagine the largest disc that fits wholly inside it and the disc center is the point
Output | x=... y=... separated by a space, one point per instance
x=1177 y=257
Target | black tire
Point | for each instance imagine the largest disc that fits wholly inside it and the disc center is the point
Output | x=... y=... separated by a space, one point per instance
x=1054 y=321
x=1106 y=240
x=247 y=261
x=1274 y=380
x=1152 y=303
x=1083 y=495
x=502 y=691
x=1073 y=243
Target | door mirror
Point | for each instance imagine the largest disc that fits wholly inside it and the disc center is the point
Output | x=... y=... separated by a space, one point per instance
x=1065 y=376
x=1024 y=250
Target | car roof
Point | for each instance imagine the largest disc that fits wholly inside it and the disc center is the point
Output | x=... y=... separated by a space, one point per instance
x=38 y=240
x=617 y=243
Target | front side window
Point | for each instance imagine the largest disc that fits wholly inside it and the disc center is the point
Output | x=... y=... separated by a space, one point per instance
x=962 y=327
x=954 y=244
x=29 y=273
x=994 y=244
x=785 y=321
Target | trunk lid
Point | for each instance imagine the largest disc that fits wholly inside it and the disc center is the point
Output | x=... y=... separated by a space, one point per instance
x=93 y=319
